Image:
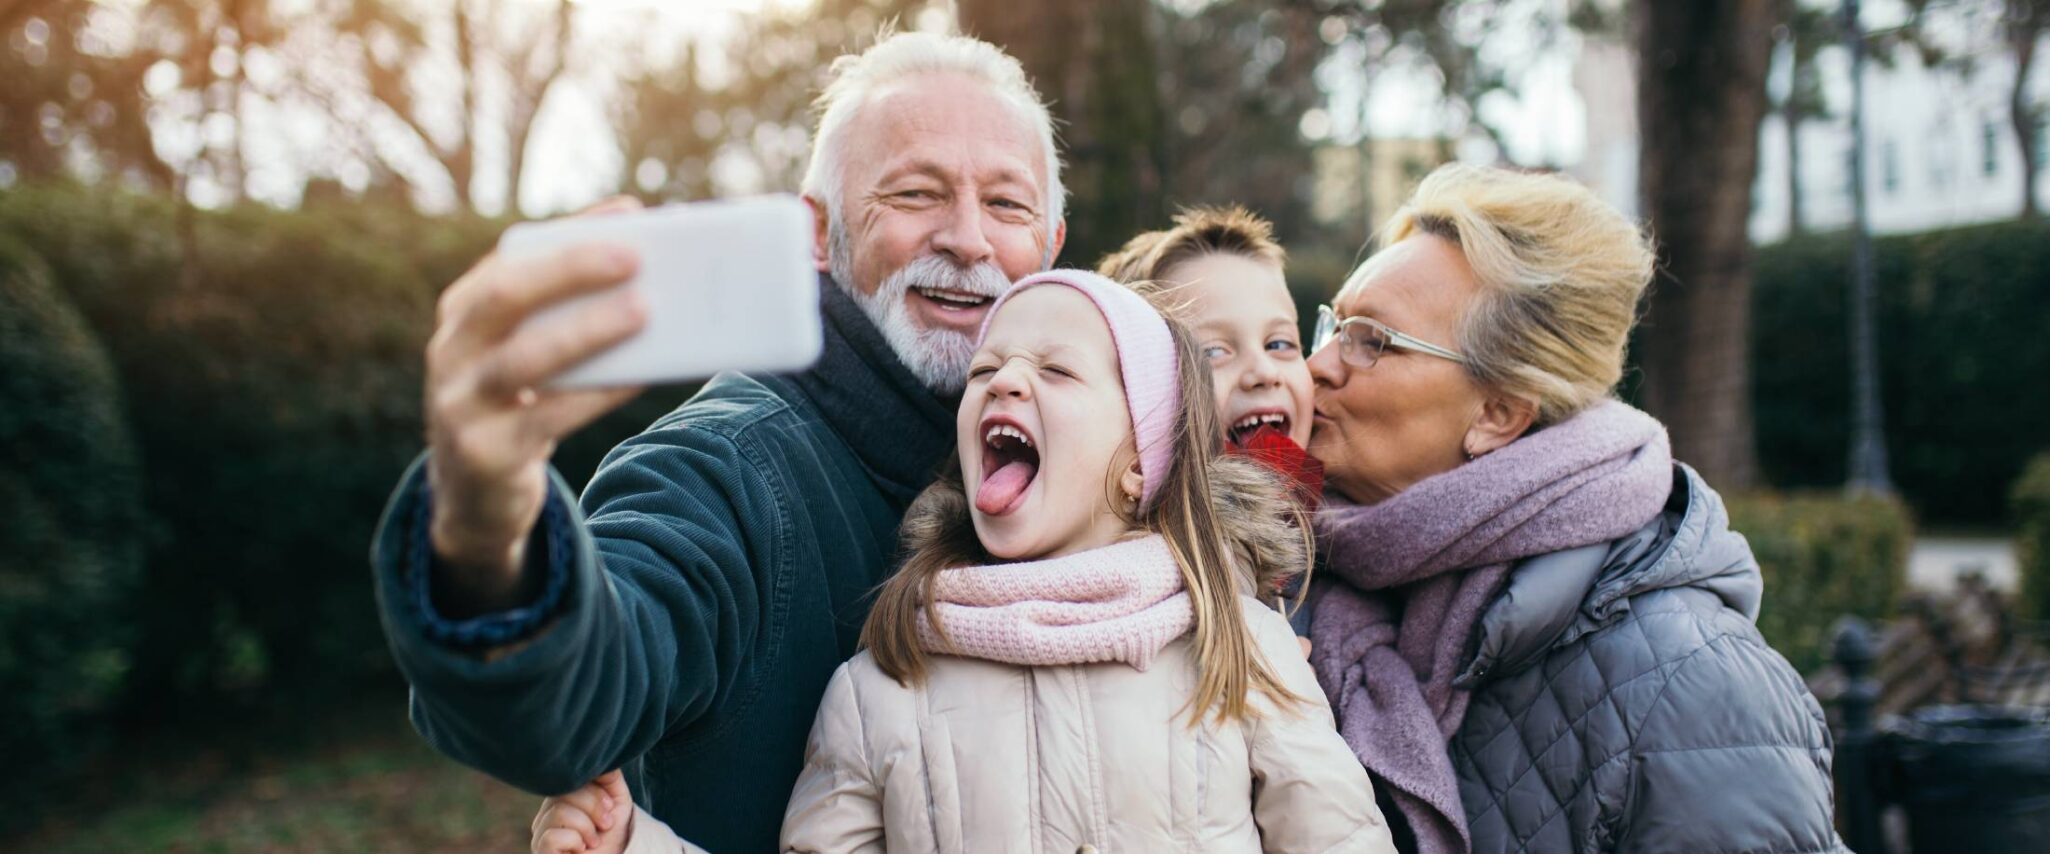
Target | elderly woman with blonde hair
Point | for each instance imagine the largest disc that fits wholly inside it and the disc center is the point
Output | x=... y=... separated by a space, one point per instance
x=1534 y=625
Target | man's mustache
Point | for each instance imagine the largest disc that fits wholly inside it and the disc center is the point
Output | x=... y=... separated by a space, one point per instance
x=938 y=273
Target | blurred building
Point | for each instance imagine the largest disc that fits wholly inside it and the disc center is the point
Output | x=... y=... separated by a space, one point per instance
x=1361 y=184
x=1940 y=148
x=1605 y=73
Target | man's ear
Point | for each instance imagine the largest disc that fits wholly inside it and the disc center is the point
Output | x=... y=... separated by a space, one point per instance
x=821 y=235
x=1502 y=420
x=1060 y=239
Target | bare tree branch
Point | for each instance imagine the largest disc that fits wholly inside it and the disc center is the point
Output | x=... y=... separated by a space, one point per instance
x=540 y=70
x=2023 y=23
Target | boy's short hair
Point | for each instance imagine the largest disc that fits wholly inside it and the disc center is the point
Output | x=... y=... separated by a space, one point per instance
x=1232 y=230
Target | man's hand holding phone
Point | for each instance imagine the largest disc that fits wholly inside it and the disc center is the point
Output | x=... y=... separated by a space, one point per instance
x=568 y=320
x=492 y=422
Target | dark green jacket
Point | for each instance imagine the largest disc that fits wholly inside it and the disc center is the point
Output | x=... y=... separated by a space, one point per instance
x=695 y=608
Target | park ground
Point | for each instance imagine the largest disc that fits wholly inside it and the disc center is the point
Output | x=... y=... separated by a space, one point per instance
x=355 y=779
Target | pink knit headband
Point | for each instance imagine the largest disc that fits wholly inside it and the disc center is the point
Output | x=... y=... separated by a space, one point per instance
x=1146 y=361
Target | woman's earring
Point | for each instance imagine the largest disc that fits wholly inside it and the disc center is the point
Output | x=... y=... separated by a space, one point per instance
x=1470 y=456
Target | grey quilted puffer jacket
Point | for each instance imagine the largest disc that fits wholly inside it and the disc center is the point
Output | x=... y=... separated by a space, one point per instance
x=1623 y=700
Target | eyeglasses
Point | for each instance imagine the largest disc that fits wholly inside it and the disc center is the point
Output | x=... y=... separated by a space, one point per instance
x=1361 y=340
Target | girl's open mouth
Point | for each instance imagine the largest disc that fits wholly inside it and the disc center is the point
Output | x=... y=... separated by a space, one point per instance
x=1251 y=422
x=1010 y=462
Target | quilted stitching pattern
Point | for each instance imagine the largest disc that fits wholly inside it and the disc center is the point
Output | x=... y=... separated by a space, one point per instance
x=1545 y=756
x=1659 y=720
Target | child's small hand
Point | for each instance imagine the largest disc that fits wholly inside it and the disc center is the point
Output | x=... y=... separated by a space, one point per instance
x=595 y=818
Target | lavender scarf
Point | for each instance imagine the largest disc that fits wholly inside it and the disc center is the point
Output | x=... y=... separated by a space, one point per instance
x=1415 y=572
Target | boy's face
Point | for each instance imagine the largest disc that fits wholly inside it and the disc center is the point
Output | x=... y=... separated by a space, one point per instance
x=1245 y=325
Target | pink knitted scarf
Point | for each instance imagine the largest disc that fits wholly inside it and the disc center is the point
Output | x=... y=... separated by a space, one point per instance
x=1122 y=602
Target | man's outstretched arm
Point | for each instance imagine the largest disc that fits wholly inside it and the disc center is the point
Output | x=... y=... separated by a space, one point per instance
x=542 y=649
x=646 y=614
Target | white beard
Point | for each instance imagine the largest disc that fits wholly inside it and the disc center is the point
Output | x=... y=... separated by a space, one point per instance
x=937 y=357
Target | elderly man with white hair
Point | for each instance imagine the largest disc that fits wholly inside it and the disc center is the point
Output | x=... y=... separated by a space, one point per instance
x=682 y=620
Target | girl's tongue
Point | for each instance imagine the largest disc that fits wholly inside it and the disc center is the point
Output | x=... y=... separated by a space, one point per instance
x=1004 y=489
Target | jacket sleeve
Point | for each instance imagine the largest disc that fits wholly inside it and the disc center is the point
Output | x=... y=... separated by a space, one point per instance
x=1733 y=756
x=837 y=805
x=1310 y=794
x=664 y=589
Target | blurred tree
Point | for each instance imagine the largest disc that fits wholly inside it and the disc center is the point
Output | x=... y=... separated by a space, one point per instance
x=1467 y=44
x=1096 y=62
x=70 y=96
x=1805 y=30
x=2023 y=23
x=674 y=121
x=209 y=44
x=533 y=61
x=659 y=120
x=504 y=64
x=159 y=95
x=1245 y=111
x=1701 y=97
x=1161 y=105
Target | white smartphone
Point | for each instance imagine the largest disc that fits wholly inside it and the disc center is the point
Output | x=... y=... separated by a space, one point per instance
x=730 y=286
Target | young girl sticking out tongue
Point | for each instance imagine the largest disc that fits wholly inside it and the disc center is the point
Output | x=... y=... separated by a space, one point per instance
x=1070 y=658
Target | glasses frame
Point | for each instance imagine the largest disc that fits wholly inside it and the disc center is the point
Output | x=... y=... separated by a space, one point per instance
x=1330 y=326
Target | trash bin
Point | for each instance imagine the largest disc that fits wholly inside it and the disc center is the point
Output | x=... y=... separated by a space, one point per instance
x=1973 y=778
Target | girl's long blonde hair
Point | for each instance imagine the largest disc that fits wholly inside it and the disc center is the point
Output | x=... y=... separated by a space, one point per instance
x=1226 y=520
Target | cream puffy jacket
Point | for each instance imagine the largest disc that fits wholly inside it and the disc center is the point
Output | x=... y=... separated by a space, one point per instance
x=990 y=757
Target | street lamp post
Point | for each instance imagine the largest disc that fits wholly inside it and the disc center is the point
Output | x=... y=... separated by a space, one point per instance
x=1868 y=438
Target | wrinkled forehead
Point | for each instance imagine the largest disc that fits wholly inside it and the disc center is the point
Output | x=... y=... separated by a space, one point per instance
x=1356 y=285
x=950 y=120
x=1421 y=283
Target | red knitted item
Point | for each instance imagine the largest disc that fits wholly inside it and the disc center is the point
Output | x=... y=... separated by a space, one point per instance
x=1273 y=449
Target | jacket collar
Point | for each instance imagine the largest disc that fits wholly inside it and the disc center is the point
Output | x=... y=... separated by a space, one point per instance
x=900 y=430
x=1554 y=599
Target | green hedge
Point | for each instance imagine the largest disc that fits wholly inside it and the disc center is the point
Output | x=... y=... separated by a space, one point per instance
x=1963 y=352
x=2031 y=502
x=271 y=362
x=1823 y=556
x=272 y=372
x=69 y=548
